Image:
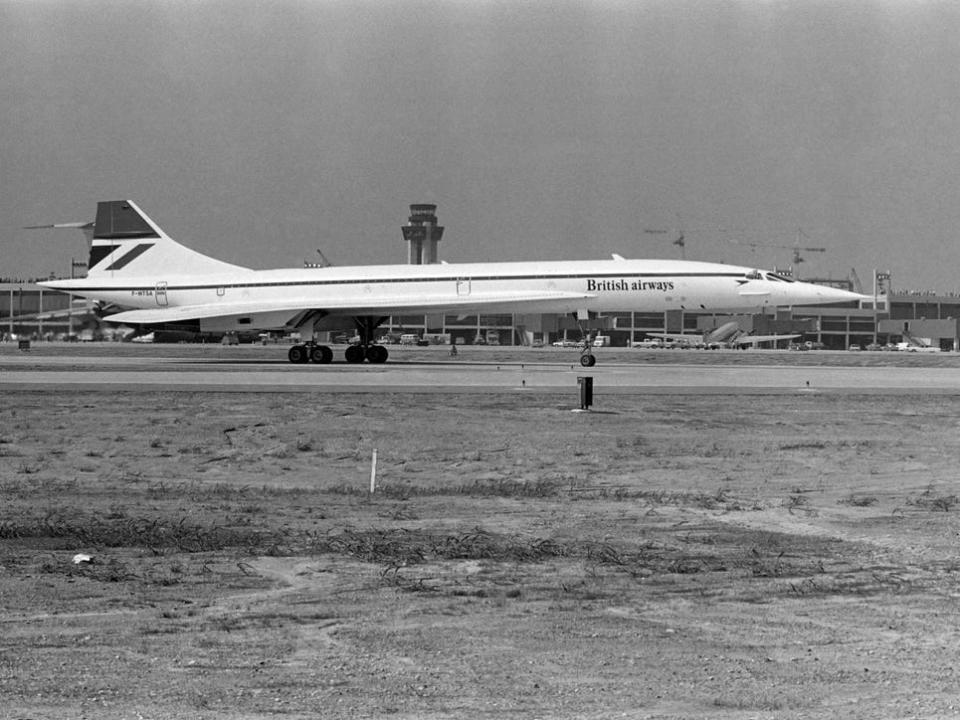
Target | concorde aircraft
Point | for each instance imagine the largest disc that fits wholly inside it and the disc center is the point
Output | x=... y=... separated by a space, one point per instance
x=134 y=264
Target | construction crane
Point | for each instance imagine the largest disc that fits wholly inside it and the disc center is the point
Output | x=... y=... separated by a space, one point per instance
x=679 y=241
x=796 y=247
x=321 y=264
x=855 y=283
x=679 y=233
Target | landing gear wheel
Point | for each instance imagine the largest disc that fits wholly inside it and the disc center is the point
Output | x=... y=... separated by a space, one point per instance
x=321 y=354
x=298 y=354
x=377 y=354
x=354 y=354
x=588 y=360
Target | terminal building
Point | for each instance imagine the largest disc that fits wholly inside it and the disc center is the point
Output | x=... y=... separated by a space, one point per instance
x=30 y=312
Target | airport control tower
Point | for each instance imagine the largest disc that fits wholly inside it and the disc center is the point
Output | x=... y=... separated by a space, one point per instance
x=422 y=235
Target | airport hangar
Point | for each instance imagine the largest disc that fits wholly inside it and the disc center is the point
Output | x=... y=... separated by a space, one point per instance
x=29 y=311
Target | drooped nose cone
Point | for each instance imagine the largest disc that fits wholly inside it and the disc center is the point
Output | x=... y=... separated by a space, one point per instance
x=780 y=292
x=821 y=295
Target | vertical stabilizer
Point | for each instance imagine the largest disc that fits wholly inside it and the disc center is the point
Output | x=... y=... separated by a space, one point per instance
x=122 y=220
x=126 y=241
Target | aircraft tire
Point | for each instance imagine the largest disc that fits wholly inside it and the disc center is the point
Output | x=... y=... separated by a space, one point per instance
x=321 y=354
x=377 y=354
x=354 y=354
x=588 y=360
x=297 y=354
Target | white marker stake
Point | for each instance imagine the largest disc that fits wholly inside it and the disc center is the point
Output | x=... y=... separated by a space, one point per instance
x=373 y=472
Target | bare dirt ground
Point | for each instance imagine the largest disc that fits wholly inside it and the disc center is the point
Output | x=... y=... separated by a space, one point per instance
x=672 y=556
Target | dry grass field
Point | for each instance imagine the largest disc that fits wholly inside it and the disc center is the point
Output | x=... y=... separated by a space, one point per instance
x=673 y=556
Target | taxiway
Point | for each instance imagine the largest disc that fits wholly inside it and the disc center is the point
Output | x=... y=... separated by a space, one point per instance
x=166 y=369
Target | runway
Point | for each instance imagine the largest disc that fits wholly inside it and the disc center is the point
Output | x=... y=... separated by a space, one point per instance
x=164 y=369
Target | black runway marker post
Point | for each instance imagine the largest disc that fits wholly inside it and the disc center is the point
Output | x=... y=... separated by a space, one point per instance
x=586 y=391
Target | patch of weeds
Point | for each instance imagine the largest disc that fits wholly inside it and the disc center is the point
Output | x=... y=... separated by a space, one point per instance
x=172 y=576
x=805 y=446
x=944 y=502
x=193 y=450
x=9 y=486
x=158 y=491
x=158 y=535
x=857 y=500
x=719 y=500
x=112 y=570
x=809 y=586
x=408 y=547
x=540 y=488
x=762 y=565
x=930 y=500
x=399 y=551
x=798 y=502
x=639 y=445
x=766 y=700
x=713 y=451
x=503 y=487
x=279 y=452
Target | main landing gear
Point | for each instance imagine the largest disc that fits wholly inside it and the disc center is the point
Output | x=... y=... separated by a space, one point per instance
x=322 y=355
x=364 y=350
x=373 y=354
x=309 y=352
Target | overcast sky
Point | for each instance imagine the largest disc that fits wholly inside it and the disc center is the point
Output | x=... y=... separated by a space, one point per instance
x=259 y=131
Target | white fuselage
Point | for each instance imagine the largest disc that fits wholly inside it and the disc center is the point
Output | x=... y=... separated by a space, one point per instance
x=546 y=287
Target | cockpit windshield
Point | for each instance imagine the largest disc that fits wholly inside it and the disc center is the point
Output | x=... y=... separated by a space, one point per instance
x=779 y=278
x=754 y=275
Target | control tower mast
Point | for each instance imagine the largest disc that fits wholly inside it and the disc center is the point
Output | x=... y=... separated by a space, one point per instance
x=422 y=235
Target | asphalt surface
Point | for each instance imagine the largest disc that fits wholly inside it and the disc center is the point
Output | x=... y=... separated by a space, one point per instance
x=182 y=368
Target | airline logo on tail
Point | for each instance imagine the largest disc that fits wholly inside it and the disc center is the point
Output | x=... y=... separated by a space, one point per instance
x=99 y=252
x=119 y=220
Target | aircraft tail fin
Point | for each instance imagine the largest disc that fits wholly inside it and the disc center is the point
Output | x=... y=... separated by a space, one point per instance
x=125 y=241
